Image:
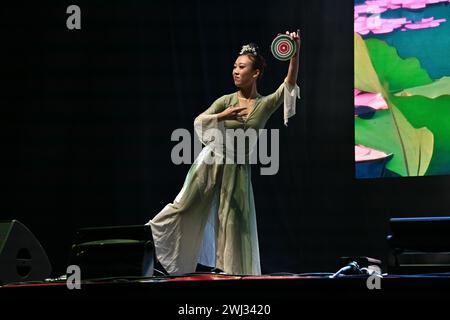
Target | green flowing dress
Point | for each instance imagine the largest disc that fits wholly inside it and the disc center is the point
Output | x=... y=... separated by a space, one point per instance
x=212 y=221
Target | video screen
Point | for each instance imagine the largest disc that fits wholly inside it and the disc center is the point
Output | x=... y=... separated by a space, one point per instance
x=402 y=88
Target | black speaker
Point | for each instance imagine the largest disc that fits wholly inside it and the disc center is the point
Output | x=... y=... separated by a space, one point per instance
x=22 y=257
x=119 y=251
x=419 y=245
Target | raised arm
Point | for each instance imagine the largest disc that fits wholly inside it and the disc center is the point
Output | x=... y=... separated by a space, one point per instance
x=288 y=91
x=293 y=65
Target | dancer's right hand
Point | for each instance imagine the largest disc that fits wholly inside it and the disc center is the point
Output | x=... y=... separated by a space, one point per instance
x=230 y=113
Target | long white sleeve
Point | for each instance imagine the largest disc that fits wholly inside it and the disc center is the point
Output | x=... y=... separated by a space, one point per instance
x=291 y=93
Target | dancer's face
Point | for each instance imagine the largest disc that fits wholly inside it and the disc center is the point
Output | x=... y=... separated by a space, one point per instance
x=243 y=73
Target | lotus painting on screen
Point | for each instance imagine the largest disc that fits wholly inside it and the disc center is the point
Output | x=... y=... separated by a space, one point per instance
x=402 y=88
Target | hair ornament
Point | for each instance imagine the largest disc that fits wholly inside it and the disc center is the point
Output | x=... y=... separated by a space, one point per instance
x=248 y=48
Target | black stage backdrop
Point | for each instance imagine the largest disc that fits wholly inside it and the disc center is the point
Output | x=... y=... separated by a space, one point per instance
x=94 y=109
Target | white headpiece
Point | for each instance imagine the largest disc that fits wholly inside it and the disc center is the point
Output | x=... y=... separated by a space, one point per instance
x=248 y=49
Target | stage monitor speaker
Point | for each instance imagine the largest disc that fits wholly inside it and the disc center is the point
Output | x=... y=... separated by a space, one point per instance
x=419 y=245
x=119 y=251
x=22 y=257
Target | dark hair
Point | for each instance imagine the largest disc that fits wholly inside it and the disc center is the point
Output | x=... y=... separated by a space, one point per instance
x=252 y=51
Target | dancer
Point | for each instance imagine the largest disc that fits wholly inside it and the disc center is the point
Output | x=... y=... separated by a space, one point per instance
x=212 y=221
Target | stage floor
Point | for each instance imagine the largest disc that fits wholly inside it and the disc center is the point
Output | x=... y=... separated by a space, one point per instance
x=279 y=292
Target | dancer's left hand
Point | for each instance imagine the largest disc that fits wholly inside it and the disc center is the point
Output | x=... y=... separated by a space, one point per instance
x=295 y=36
